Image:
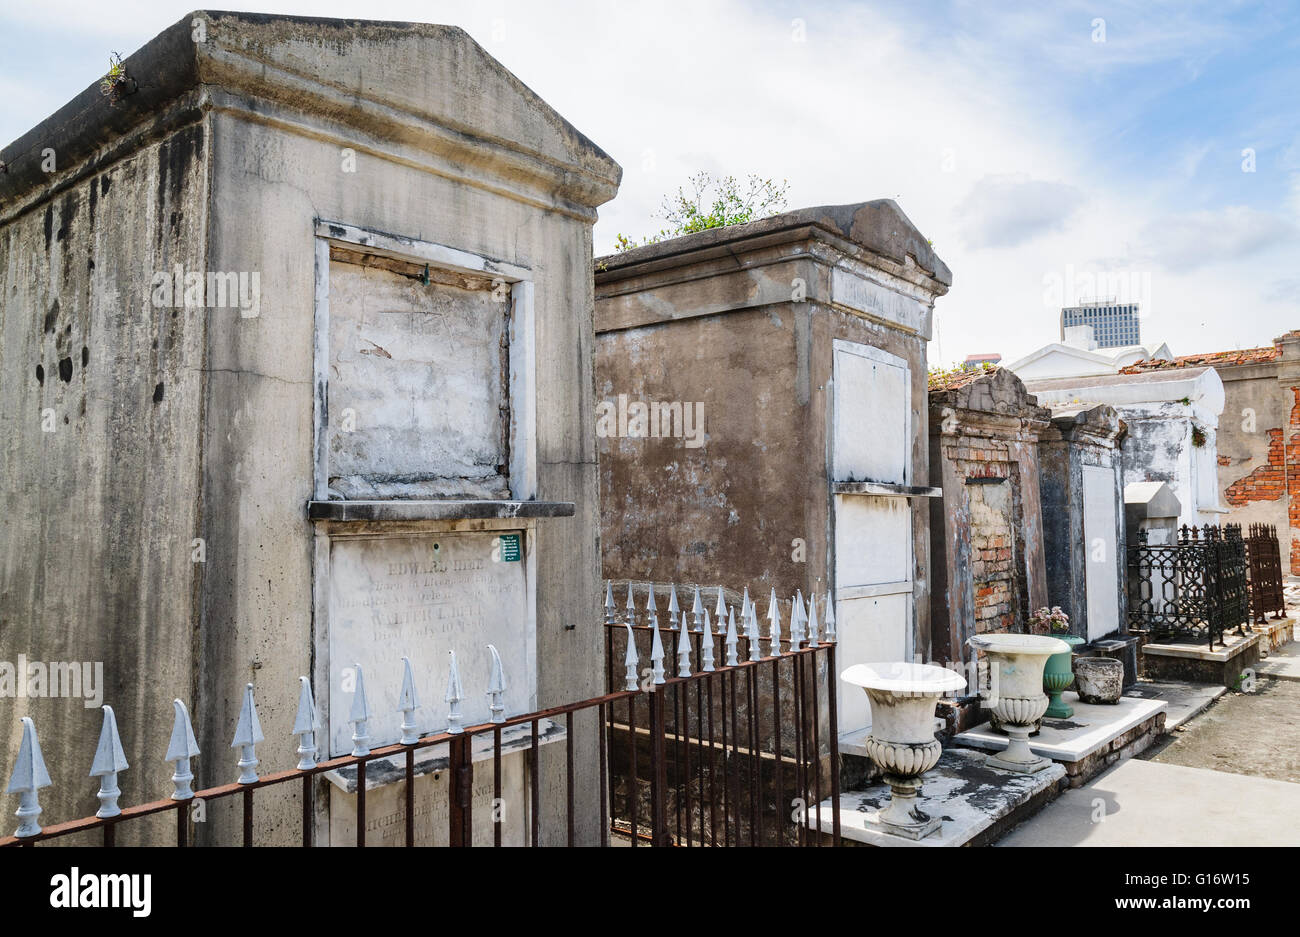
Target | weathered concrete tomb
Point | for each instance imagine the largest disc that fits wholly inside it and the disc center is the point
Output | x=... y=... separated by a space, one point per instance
x=1172 y=419
x=297 y=345
x=1082 y=496
x=1081 y=489
x=989 y=571
x=762 y=418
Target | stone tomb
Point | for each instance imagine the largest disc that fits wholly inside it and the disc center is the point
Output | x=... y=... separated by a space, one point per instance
x=425 y=510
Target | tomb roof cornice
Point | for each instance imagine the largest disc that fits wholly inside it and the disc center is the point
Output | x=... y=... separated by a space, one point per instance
x=876 y=233
x=401 y=91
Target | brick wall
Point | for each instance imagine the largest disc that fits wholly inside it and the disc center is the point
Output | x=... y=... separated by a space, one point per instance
x=992 y=534
x=1277 y=478
x=1293 y=481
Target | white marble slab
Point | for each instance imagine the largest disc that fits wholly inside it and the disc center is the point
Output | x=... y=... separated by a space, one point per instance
x=1091 y=727
x=422 y=595
x=1232 y=646
x=967 y=795
x=386 y=809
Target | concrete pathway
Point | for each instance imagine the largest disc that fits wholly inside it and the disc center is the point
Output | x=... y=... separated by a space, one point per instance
x=1149 y=803
x=1282 y=663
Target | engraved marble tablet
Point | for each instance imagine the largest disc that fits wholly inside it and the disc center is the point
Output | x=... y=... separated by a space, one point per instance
x=421 y=595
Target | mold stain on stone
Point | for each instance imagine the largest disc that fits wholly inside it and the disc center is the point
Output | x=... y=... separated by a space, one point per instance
x=40 y=375
x=158 y=393
x=65 y=370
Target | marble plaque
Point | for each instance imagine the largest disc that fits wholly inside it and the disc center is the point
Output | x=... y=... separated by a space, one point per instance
x=418 y=395
x=386 y=809
x=421 y=596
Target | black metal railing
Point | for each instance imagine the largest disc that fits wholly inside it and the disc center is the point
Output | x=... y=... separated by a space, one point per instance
x=1265 y=556
x=1195 y=588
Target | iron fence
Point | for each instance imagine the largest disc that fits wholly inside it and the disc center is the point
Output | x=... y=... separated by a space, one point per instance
x=1265 y=556
x=696 y=731
x=1194 y=589
x=746 y=748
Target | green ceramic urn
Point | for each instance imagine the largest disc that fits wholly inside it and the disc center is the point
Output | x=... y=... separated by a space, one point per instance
x=1058 y=675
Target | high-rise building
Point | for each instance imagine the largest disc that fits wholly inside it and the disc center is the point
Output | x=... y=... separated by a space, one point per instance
x=1114 y=324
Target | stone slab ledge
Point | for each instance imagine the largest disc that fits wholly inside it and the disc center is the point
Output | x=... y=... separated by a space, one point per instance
x=977 y=804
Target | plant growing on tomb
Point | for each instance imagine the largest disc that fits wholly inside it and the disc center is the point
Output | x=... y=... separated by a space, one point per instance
x=117 y=84
x=714 y=203
x=1198 y=437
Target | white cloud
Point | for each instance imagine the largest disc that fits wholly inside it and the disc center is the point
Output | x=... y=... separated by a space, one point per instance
x=1191 y=240
x=1011 y=209
x=870 y=106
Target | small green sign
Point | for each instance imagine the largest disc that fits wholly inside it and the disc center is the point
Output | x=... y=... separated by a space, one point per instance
x=510 y=548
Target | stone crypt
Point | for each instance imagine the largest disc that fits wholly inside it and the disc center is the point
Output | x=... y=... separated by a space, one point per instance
x=320 y=370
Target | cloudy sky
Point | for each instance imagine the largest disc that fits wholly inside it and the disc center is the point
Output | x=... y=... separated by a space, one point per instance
x=1145 y=150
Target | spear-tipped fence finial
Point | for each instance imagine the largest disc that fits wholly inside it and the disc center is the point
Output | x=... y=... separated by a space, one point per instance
x=733 y=660
x=697 y=611
x=496 y=690
x=656 y=651
x=453 y=698
x=813 y=639
x=684 y=650
x=248 y=732
x=673 y=608
x=180 y=749
x=304 y=726
x=631 y=606
x=797 y=619
x=830 y=618
x=359 y=716
x=706 y=645
x=408 y=701
x=774 y=625
x=630 y=661
x=751 y=632
x=109 y=760
x=611 y=611
x=720 y=612
x=28 y=777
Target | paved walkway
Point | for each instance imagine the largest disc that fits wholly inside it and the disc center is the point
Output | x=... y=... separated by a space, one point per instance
x=1150 y=803
x=1228 y=776
x=1283 y=663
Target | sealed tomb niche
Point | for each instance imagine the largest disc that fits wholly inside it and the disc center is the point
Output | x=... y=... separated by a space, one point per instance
x=419 y=372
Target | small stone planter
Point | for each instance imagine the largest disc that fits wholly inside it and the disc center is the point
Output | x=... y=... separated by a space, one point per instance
x=1099 y=679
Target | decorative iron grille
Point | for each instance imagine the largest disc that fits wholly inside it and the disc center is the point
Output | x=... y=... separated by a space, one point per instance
x=1194 y=589
x=1265 y=557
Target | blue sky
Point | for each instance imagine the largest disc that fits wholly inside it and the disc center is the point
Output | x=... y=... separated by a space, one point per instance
x=1025 y=148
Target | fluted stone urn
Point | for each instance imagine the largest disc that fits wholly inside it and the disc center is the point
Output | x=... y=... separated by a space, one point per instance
x=1015 y=694
x=902 y=739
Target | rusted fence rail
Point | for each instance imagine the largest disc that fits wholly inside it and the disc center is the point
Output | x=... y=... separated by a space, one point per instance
x=731 y=751
x=735 y=754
